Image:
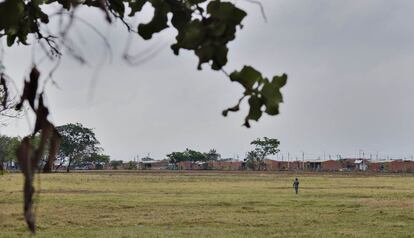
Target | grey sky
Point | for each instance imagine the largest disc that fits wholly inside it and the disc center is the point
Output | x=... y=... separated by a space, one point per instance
x=350 y=87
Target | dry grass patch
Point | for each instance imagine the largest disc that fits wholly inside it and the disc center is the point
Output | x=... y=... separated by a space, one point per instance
x=212 y=204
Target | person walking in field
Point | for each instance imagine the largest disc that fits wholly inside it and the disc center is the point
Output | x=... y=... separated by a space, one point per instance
x=296 y=185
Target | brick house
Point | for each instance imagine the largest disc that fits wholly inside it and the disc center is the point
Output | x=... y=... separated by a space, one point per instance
x=331 y=165
x=376 y=166
x=401 y=166
x=276 y=165
x=225 y=165
x=153 y=164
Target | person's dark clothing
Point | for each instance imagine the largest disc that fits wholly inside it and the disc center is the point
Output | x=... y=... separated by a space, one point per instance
x=296 y=185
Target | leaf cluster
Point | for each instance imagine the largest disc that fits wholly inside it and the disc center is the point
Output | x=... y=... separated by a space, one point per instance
x=263 y=95
x=203 y=26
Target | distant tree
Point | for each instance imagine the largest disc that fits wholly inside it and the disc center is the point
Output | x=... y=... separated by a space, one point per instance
x=78 y=143
x=187 y=155
x=147 y=158
x=4 y=144
x=266 y=146
x=253 y=160
x=132 y=165
x=212 y=155
x=8 y=147
x=263 y=148
x=195 y=155
x=176 y=157
x=97 y=158
x=116 y=163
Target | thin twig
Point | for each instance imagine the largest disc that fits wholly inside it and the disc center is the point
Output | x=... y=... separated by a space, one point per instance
x=261 y=8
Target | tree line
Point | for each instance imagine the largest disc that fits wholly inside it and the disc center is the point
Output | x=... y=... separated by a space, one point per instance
x=254 y=159
x=79 y=146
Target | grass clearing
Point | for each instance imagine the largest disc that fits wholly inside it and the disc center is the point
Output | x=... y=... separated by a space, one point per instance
x=210 y=204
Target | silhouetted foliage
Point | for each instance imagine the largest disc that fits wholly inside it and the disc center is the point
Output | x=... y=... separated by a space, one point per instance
x=203 y=26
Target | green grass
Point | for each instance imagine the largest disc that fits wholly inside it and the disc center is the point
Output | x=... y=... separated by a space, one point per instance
x=211 y=205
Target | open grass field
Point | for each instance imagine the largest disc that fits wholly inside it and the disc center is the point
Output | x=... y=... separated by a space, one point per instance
x=138 y=204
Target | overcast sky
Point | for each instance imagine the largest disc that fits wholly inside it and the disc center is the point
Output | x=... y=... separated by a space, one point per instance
x=350 y=87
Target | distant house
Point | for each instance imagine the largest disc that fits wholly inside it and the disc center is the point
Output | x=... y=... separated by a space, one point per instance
x=401 y=166
x=10 y=165
x=272 y=164
x=352 y=164
x=314 y=165
x=378 y=166
x=153 y=164
x=283 y=165
x=331 y=165
x=277 y=165
x=185 y=165
x=361 y=164
x=227 y=165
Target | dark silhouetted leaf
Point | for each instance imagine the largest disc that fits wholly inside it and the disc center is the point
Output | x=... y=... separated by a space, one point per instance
x=192 y=35
x=247 y=77
x=255 y=111
x=117 y=6
x=5 y=89
x=158 y=21
x=231 y=109
x=30 y=89
x=271 y=94
x=41 y=115
x=136 y=6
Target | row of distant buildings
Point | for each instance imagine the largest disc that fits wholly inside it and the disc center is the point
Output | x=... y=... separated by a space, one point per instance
x=340 y=165
x=346 y=164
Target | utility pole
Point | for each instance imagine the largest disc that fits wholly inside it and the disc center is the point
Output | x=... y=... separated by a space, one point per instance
x=288 y=159
x=303 y=161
